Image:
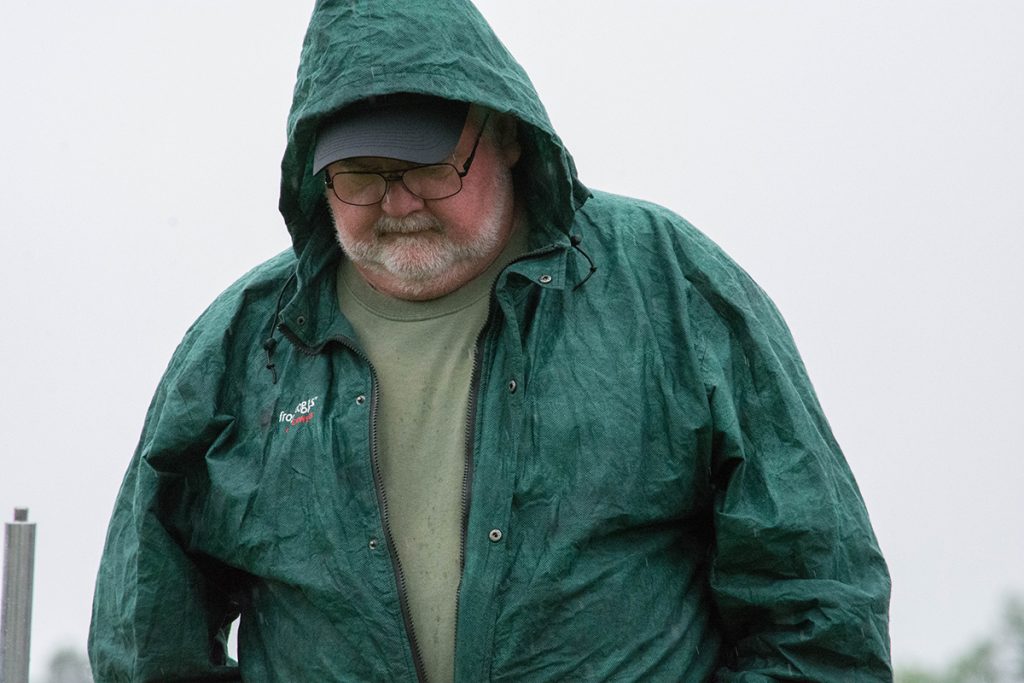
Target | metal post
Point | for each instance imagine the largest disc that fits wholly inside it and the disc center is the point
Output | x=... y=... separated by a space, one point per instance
x=16 y=613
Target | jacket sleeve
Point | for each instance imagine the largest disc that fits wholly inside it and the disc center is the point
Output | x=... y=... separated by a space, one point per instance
x=161 y=613
x=797 y=577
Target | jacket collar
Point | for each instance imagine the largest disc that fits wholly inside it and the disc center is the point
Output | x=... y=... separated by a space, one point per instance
x=312 y=317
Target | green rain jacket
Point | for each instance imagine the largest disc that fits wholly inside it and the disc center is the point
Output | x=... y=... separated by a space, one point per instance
x=671 y=501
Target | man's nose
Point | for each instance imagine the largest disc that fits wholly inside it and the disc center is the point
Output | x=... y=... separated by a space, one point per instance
x=399 y=201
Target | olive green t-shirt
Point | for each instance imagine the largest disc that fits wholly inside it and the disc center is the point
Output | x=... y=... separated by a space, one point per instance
x=422 y=352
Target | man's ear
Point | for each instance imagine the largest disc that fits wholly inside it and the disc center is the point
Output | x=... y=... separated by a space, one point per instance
x=506 y=135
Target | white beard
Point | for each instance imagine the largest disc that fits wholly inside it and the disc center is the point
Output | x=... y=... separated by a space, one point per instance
x=417 y=253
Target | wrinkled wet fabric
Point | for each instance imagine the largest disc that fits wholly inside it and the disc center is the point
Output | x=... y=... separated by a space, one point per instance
x=654 y=493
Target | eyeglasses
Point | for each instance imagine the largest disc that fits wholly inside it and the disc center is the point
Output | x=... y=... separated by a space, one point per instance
x=431 y=181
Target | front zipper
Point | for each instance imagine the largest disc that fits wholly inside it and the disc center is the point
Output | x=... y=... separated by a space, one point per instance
x=467 y=470
x=467 y=475
x=382 y=502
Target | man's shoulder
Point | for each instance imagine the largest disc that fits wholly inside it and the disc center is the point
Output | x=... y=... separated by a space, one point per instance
x=254 y=293
x=240 y=316
x=648 y=248
x=644 y=237
x=629 y=214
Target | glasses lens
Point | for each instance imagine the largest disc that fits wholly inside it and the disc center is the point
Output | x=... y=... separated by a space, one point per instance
x=436 y=181
x=361 y=189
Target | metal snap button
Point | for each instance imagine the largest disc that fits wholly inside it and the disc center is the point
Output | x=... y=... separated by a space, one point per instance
x=512 y=386
x=373 y=544
x=495 y=535
x=301 y=320
x=544 y=279
x=360 y=399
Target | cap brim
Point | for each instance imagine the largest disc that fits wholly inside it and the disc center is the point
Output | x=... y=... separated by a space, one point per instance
x=421 y=130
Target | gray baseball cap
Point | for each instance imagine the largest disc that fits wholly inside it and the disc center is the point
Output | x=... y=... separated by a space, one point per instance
x=417 y=128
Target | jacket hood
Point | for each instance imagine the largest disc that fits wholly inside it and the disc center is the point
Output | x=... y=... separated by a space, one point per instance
x=355 y=49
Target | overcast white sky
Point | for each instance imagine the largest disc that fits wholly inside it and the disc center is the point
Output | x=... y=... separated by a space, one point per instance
x=863 y=161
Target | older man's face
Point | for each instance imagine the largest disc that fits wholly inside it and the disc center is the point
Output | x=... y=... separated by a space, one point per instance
x=418 y=249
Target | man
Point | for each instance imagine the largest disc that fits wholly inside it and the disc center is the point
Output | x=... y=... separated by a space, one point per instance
x=480 y=424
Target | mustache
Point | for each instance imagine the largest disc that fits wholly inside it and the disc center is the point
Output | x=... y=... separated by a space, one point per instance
x=388 y=225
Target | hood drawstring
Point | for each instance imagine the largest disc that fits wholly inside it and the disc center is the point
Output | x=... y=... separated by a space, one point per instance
x=575 y=241
x=270 y=343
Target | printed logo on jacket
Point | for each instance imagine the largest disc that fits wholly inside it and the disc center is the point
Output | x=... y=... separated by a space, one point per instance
x=300 y=415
